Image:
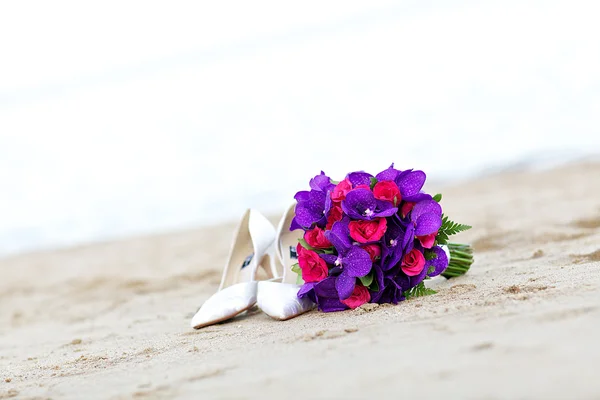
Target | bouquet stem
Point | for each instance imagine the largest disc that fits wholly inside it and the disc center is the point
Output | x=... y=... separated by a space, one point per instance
x=461 y=258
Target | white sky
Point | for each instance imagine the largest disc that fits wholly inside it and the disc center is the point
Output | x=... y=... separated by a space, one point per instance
x=120 y=117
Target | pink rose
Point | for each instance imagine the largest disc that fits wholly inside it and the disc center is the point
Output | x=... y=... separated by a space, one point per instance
x=388 y=191
x=359 y=296
x=367 y=231
x=413 y=263
x=427 y=240
x=314 y=268
x=341 y=190
x=316 y=238
x=406 y=208
x=374 y=251
x=335 y=215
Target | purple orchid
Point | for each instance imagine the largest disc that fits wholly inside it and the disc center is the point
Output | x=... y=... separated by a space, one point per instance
x=312 y=206
x=389 y=174
x=324 y=294
x=353 y=261
x=439 y=263
x=321 y=183
x=410 y=184
x=359 y=178
x=391 y=246
x=425 y=221
x=361 y=204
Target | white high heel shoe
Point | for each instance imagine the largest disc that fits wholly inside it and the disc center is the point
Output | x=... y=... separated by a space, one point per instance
x=280 y=300
x=251 y=248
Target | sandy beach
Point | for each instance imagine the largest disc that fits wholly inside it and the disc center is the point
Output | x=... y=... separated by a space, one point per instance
x=111 y=320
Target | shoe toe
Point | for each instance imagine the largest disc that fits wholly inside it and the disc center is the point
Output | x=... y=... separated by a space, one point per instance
x=225 y=304
x=280 y=300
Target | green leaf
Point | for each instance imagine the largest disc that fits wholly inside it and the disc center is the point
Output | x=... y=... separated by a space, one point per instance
x=374 y=286
x=430 y=255
x=448 y=229
x=298 y=271
x=367 y=279
x=373 y=182
x=418 y=291
x=330 y=250
x=334 y=182
x=296 y=268
x=438 y=197
x=305 y=245
x=452 y=228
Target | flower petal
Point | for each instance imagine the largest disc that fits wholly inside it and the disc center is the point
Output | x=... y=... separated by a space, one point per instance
x=359 y=178
x=307 y=287
x=428 y=223
x=329 y=258
x=345 y=285
x=389 y=174
x=409 y=238
x=424 y=207
x=357 y=202
x=339 y=236
x=326 y=288
x=411 y=183
x=357 y=262
x=440 y=263
x=330 y=305
x=321 y=183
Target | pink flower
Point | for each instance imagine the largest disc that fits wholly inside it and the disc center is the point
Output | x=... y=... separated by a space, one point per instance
x=316 y=238
x=367 y=231
x=359 y=296
x=374 y=251
x=427 y=240
x=388 y=191
x=335 y=215
x=314 y=268
x=406 y=208
x=413 y=263
x=341 y=190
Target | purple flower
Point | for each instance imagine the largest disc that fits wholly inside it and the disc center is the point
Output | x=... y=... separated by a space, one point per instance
x=323 y=293
x=312 y=206
x=439 y=263
x=410 y=184
x=425 y=219
x=391 y=246
x=321 y=183
x=389 y=174
x=361 y=204
x=359 y=178
x=352 y=261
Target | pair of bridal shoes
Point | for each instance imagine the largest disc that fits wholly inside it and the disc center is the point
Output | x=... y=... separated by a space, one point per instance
x=257 y=244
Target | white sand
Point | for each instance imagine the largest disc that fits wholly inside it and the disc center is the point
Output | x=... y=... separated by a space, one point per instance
x=111 y=320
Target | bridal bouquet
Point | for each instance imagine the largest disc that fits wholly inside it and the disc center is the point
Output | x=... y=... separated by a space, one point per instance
x=373 y=239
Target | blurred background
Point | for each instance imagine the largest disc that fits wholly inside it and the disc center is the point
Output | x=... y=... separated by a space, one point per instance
x=120 y=118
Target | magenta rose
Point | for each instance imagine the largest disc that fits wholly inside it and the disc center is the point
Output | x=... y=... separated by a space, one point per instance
x=341 y=190
x=413 y=263
x=427 y=240
x=359 y=296
x=316 y=238
x=367 y=231
x=335 y=215
x=388 y=191
x=406 y=208
x=314 y=268
x=374 y=251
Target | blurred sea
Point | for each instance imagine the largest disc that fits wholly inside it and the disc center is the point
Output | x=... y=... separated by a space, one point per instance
x=188 y=115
